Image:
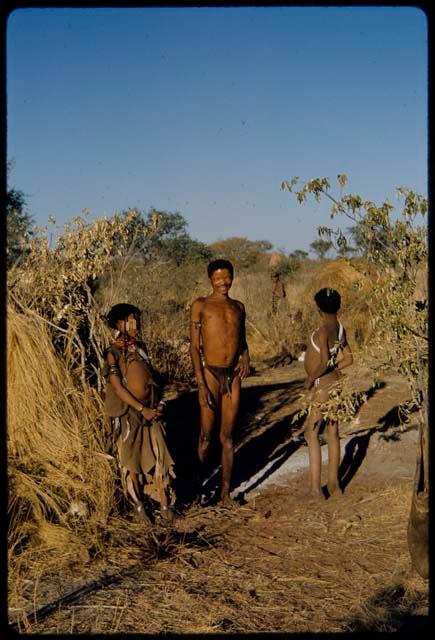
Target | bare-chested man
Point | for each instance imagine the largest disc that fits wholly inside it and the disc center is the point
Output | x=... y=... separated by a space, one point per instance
x=278 y=291
x=131 y=401
x=218 y=328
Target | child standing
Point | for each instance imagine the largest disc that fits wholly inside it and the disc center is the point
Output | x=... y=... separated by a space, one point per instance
x=323 y=372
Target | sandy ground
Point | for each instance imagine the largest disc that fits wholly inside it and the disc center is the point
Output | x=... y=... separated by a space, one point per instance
x=276 y=562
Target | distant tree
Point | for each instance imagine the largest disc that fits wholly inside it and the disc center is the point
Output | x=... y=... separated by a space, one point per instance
x=242 y=252
x=321 y=247
x=170 y=238
x=19 y=224
x=298 y=254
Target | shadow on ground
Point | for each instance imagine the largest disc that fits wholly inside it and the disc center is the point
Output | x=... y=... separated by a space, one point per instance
x=391 y=609
x=262 y=444
x=255 y=439
x=356 y=449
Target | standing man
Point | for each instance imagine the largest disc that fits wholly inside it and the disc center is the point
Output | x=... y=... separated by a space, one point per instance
x=278 y=291
x=218 y=328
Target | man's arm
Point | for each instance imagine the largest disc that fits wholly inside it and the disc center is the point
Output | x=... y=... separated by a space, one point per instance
x=205 y=397
x=243 y=365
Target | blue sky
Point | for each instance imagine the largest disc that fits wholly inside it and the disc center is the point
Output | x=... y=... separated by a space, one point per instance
x=206 y=110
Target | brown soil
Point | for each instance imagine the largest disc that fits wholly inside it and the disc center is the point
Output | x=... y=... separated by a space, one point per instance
x=276 y=562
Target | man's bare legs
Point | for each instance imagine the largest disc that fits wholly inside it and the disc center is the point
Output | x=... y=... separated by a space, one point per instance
x=311 y=435
x=333 y=458
x=207 y=423
x=207 y=417
x=230 y=408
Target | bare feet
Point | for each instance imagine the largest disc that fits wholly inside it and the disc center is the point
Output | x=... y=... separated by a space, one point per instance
x=315 y=495
x=227 y=502
x=140 y=514
x=167 y=515
x=334 y=489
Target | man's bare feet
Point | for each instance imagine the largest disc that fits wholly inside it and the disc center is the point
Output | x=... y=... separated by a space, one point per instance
x=315 y=495
x=334 y=489
x=227 y=502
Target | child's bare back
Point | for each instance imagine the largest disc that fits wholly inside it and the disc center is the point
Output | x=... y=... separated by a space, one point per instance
x=327 y=354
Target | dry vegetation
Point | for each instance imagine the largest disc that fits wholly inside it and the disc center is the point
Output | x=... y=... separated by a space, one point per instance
x=287 y=330
x=274 y=565
x=64 y=503
x=57 y=464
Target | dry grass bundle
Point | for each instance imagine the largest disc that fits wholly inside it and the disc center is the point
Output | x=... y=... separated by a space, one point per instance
x=336 y=273
x=288 y=330
x=355 y=291
x=55 y=449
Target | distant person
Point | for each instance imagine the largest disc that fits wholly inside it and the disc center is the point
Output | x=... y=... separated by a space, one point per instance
x=218 y=329
x=278 y=291
x=323 y=369
x=136 y=415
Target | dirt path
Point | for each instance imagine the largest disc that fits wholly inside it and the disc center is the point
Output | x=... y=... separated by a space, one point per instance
x=278 y=562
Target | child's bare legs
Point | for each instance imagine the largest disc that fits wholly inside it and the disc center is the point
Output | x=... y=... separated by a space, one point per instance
x=333 y=458
x=312 y=438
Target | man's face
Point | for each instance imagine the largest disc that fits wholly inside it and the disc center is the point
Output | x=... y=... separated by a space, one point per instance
x=128 y=326
x=221 y=281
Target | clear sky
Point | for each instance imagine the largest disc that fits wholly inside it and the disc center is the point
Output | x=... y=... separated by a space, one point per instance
x=206 y=110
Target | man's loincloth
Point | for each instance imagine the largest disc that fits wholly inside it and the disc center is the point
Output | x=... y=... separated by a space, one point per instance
x=142 y=450
x=224 y=376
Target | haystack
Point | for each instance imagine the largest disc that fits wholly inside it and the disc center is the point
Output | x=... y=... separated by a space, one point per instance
x=340 y=275
x=354 y=288
x=275 y=261
x=55 y=445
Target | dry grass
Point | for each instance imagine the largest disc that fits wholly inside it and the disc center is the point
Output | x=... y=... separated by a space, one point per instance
x=288 y=330
x=277 y=564
x=164 y=294
x=268 y=334
x=55 y=453
x=273 y=565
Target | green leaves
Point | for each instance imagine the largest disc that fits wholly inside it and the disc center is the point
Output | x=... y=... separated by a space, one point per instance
x=393 y=245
